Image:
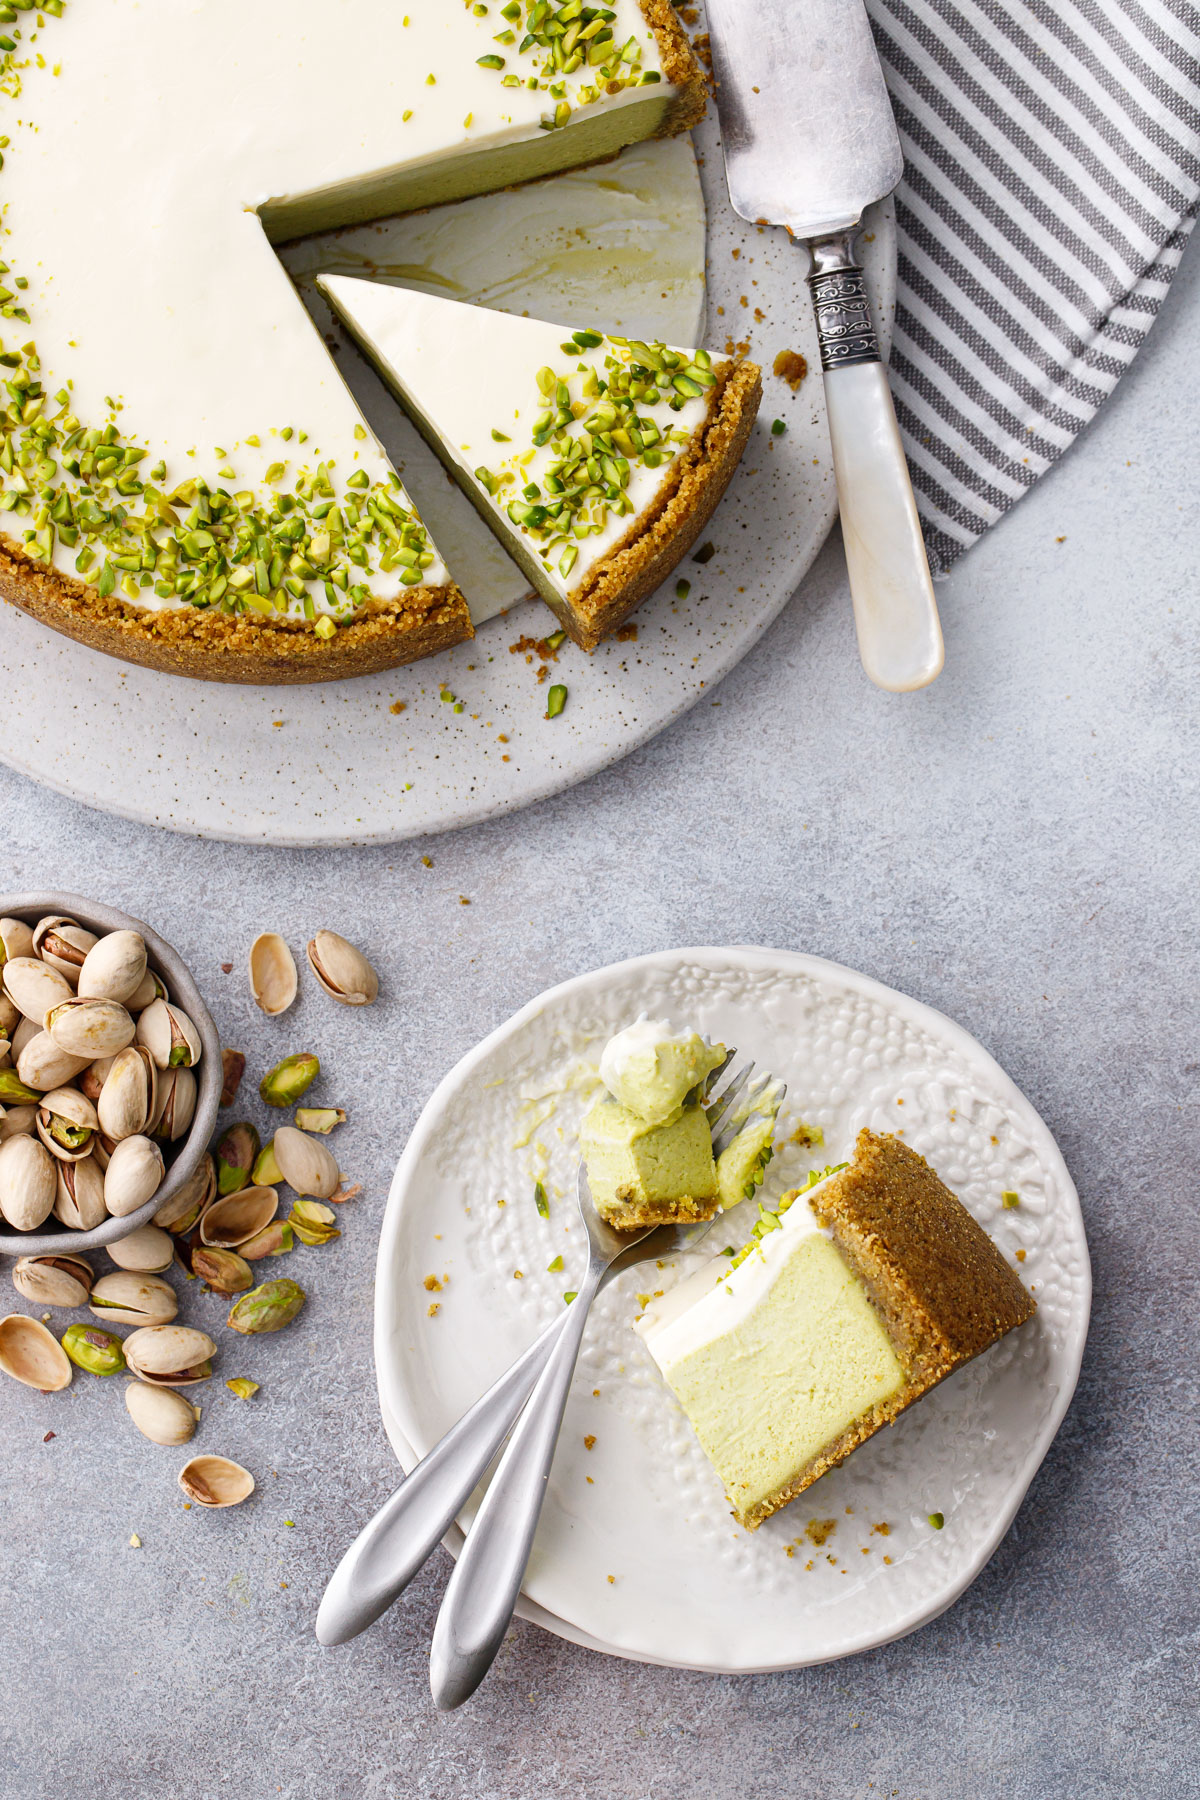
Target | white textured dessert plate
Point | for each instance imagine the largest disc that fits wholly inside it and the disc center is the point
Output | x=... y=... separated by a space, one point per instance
x=385 y=757
x=637 y=1553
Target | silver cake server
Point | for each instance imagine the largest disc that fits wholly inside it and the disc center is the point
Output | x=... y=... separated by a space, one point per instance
x=810 y=142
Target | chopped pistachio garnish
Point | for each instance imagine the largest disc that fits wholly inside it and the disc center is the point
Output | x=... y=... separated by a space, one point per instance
x=556 y=699
x=540 y=1200
x=778 y=427
x=1010 y=1200
x=937 y=1520
x=571 y=40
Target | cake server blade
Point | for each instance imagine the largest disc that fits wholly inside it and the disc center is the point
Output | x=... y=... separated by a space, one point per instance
x=810 y=141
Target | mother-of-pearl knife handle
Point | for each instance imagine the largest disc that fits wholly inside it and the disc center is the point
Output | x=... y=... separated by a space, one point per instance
x=899 y=636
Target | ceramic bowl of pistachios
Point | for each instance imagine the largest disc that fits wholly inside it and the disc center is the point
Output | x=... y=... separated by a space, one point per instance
x=110 y=1074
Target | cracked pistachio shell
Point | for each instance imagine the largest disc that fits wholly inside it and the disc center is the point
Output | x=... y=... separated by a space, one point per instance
x=266 y=1308
x=16 y=939
x=17 y=1121
x=170 y=1355
x=28 y=1182
x=30 y=1354
x=224 y=1270
x=342 y=971
x=169 y=1035
x=63 y=944
x=79 y=1197
x=129 y=1298
x=146 y=1251
x=129 y=1097
x=176 y=1104
x=276 y=1239
x=160 y=1414
x=307 y=1166
x=215 y=1481
x=89 y=1347
x=25 y=1033
x=53 y=1280
x=236 y=1153
x=90 y=1028
x=113 y=968
x=150 y=988
x=230 y=1222
x=181 y=1211
x=66 y=1122
x=102 y=1150
x=43 y=1064
x=34 y=987
x=285 y=1083
x=134 y=1174
x=273 y=979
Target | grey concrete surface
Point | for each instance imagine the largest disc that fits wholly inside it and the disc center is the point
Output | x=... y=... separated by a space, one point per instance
x=1018 y=846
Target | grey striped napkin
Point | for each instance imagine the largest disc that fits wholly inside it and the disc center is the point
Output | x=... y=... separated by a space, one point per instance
x=1052 y=158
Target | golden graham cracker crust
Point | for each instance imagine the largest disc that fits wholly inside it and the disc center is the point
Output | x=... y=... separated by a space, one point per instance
x=942 y=1288
x=636 y=1215
x=666 y=531
x=680 y=67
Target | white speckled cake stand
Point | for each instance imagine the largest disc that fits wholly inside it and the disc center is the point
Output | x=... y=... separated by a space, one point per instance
x=385 y=757
x=637 y=1553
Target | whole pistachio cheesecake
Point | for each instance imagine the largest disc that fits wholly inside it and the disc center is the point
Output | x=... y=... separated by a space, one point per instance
x=185 y=480
x=596 y=460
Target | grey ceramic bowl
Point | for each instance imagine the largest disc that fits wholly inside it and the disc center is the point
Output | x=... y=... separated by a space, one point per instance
x=53 y=1236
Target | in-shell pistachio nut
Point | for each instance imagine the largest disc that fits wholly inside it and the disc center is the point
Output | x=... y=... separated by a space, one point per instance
x=274 y=1239
x=24 y=1034
x=342 y=971
x=99 y=1352
x=79 y=1196
x=229 y=1222
x=180 y=1212
x=272 y=974
x=170 y=1355
x=224 y=1270
x=90 y=1028
x=176 y=1104
x=313 y=1223
x=306 y=1165
x=63 y=944
x=169 y=1035
x=35 y=988
x=236 y=1153
x=289 y=1079
x=267 y=1172
x=233 y=1067
x=53 y=1280
x=28 y=1183
x=102 y=1150
x=146 y=1251
x=244 y=1389
x=15 y=1092
x=160 y=1414
x=321 y=1119
x=114 y=968
x=66 y=1123
x=16 y=939
x=134 y=1175
x=266 y=1308
x=129 y=1097
x=10 y=1015
x=30 y=1354
x=129 y=1298
x=149 y=989
x=42 y=1064
x=215 y=1481
x=17 y=1121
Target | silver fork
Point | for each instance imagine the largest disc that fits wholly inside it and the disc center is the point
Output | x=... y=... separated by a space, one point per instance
x=403 y=1534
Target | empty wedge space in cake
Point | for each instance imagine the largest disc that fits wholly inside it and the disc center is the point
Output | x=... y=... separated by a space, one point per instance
x=596 y=460
x=850 y=1301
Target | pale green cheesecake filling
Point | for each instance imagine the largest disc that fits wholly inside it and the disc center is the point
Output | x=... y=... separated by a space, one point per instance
x=651 y=1069
x=630 y=1160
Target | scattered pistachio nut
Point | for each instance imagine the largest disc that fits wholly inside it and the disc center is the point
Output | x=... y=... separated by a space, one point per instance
x=321 y=1119
x=266 y=1172
x=170 y=1355
x=53 y=1280
x=128 y=1100
x=129 y=1298
x=99 y=1352
x=244 y=1389
x=134 y=1175
x=169 y=1035
x=285 y=1083
x=146 y=1251
x=114 y=968
x=307 y=1166
x=66 y=1123
x=235 y=1156
x=266 y=1308
x=273 y=979
x=28 y=1183
x=275 y=1239
x=79 y=1194
x=230 y=1222
x=224 y=1270
x=233 y=1067
x=34 y=987
x=181 y=1211
x=215 y=1481
x=313 y=1223
x=30 y=1354
x=160 y=1414
x=90 y=1028
x=342 y=971
x=63 y=944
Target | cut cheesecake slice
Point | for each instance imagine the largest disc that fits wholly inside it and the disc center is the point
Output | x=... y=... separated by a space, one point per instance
x=835 y=1317
x=596 y=460
x=185 y=480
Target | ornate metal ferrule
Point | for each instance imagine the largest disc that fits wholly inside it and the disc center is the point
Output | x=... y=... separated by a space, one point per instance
x=845 y=330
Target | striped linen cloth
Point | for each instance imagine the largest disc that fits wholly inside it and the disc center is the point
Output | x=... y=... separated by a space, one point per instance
x=1052 y=162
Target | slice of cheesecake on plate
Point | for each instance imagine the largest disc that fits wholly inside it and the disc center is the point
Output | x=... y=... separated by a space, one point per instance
x=851 y=1301
x=596 y=460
